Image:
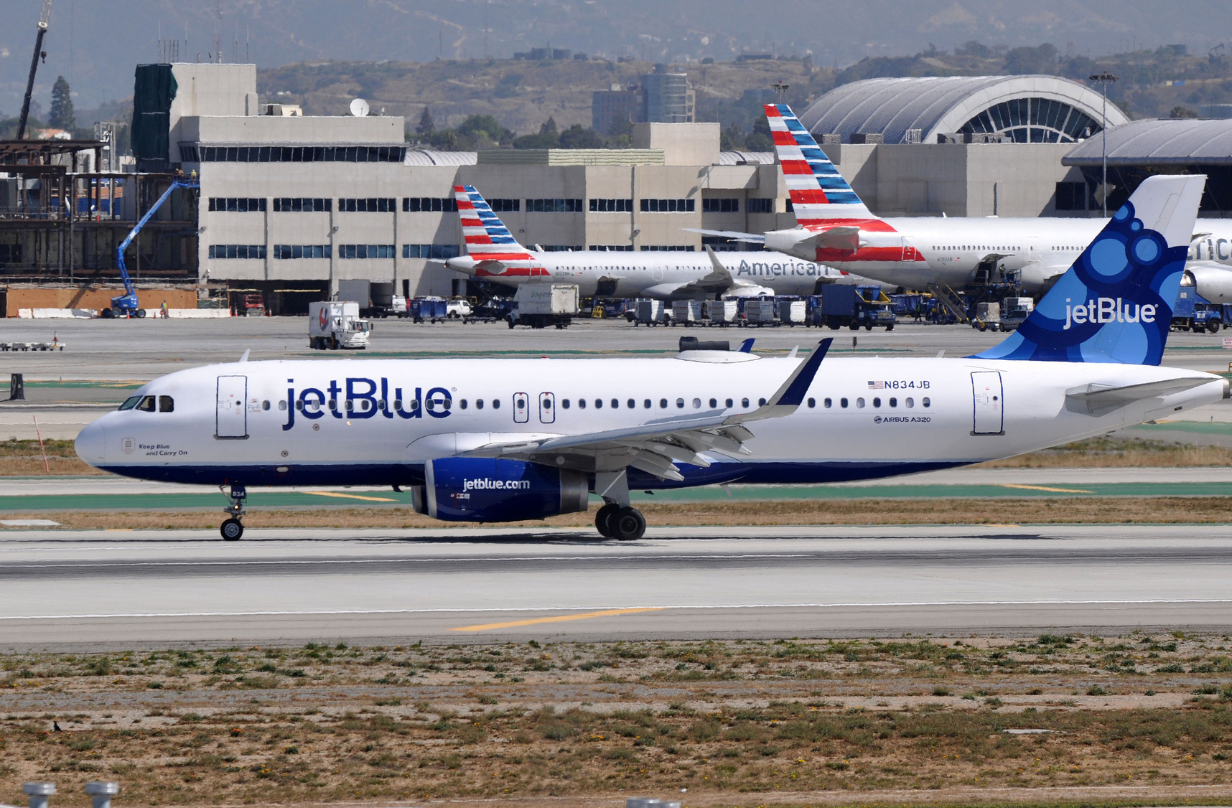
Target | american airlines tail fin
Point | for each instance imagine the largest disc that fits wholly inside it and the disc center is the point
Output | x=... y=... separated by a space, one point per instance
x=1115 y=303
x=820 y=196
x=494 y=249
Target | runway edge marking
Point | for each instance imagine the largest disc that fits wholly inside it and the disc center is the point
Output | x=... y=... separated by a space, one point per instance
x=558 y=619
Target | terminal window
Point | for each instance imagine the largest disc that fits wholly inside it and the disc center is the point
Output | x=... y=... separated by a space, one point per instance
x=237 y=251
x=369 y=205
x=302 y=205
x=431 y=204
x=504 y=205
x=287 y=251
x=233 y=204
x=611 y=206
x=563 y=248
x=612 y=247
x=1072 y=196
x=721 y=206
x=760 y=206
x=365 y=251
x=668 y=205
x=667 y=248
x=196 y=153
x=554 y=206
x=435 y=252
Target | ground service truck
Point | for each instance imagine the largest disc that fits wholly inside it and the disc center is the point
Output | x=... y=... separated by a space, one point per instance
x=855 y=306
x=336 y=325
x=540 y=305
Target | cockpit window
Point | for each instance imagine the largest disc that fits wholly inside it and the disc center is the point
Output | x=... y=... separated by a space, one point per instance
x=166 y=404
x=130 y=402
x=146 y=404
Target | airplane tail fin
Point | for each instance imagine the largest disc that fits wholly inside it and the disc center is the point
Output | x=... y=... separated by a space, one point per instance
x=1115 y=303
x=819 y=194
x=495 y=251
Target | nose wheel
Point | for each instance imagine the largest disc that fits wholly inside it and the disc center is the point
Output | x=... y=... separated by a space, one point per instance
x=233 y=529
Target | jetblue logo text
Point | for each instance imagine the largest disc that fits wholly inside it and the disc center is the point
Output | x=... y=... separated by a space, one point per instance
x=487 y=484
x=1108 y=310
x=358 y=399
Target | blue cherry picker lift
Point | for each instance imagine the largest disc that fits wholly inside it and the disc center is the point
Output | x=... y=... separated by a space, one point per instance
x=126 y=305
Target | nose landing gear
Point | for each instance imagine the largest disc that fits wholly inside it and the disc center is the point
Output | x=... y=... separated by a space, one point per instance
x=233 y=528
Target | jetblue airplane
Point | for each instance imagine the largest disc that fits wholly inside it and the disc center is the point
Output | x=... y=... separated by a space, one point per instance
x=836 y=228
x=492 y=253
x=496 y=440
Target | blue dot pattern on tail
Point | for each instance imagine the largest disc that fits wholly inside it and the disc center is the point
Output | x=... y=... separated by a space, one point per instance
x=1113 y=305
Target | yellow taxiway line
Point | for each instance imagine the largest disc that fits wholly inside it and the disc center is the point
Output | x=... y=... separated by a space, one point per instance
x=349 y=496
x=559 y=619
x=1046 y=488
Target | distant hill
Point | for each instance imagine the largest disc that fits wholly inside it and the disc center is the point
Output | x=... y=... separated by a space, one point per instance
x=521 y=95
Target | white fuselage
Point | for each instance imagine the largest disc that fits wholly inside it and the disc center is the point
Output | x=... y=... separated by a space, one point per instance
x=921 y=252
x=270 y=423
x=663 y=275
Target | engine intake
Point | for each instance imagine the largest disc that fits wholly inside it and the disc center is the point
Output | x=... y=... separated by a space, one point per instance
x=465 y=489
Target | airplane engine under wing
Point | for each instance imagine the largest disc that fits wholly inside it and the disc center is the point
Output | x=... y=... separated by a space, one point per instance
x=1212 y=281
x=476 y=489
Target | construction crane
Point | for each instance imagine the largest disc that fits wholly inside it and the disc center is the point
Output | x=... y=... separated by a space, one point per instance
x=126 y=305
x=44 y=19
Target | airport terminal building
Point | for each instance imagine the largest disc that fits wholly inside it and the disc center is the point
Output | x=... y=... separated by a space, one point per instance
x=290 y=205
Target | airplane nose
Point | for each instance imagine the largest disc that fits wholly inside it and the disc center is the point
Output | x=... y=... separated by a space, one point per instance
x=91 y=444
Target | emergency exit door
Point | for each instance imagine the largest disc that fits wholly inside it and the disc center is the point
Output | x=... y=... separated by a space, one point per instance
x=231 y=418
x=547 y=408
x=521 y=408
x=989 y=401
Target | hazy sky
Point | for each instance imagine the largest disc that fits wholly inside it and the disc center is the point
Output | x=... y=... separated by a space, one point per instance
x=96 y=43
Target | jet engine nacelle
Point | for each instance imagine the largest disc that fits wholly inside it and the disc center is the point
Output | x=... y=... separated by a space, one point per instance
x=1212 y=281
x=466 y=489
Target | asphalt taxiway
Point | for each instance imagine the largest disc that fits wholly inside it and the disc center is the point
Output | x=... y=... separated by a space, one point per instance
x=84 y=590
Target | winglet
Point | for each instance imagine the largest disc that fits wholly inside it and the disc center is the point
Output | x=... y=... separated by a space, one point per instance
x=791 y=394
x=244 y=358
x=747 y=345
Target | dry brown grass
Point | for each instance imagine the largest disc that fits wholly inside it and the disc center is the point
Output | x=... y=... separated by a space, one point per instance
x=1037 y=510
x=734 y=723
x=1119 y=453
x=24 y=458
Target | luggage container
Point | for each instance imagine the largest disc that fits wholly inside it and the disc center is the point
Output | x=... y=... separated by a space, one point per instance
x=759 y=311
x=432 y=309
x=792 y=312
x=722 y=312
x=650 y=312
x=686 y=312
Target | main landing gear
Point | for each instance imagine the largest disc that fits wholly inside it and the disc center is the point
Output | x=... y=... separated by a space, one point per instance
x=233 y=528
x=623 y=523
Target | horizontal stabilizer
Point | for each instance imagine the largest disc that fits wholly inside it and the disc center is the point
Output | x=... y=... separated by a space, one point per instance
x=734 y=235
x=1097 y=399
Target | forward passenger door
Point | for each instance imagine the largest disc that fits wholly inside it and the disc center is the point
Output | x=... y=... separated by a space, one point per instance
x=231 y=418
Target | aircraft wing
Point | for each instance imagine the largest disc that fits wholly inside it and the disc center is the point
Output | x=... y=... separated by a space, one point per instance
x=1097 y=399
x=655 y=447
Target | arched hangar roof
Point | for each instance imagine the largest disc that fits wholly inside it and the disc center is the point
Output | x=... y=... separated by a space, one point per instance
x=1159 y=142
x=1035 y=109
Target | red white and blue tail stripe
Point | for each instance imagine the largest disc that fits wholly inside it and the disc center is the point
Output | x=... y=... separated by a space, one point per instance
x=819 y=194
x=495 y=251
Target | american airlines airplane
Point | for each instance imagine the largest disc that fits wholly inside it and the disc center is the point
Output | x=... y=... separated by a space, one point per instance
x=498 y=440
x=836 y=228
x=493 y=253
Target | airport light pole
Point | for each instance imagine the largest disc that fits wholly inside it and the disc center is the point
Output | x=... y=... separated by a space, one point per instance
x=1103 y=80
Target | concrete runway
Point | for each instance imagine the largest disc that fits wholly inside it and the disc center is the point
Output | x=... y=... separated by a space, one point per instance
x=151 y=588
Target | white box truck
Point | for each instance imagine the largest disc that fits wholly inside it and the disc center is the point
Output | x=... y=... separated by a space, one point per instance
x=542 y=304
x=335 y=325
